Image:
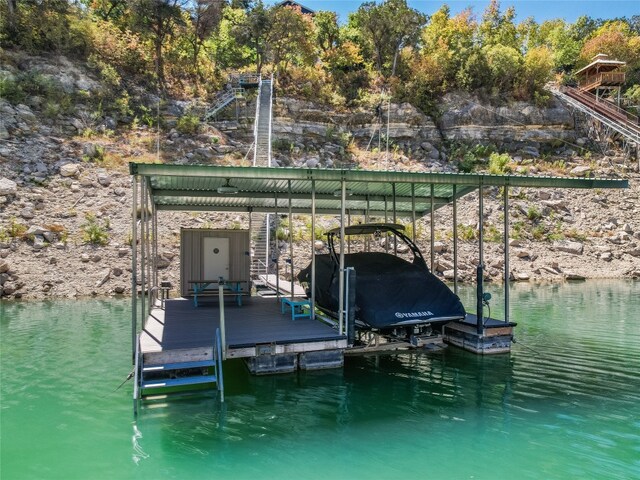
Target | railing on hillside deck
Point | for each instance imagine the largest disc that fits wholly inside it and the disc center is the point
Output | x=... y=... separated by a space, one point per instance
x=608 y=79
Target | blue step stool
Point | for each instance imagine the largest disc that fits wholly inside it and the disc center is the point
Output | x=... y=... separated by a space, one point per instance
x=300 y=307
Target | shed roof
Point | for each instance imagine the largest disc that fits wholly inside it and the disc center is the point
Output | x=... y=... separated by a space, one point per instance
x=602 y=60
x=263 y=189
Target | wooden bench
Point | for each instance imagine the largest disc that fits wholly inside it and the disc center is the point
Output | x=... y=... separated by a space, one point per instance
x=231 y=287
x=297 y=306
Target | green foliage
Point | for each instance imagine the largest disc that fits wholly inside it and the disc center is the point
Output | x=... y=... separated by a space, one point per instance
x=499 y=163
x=282 y=145
x=16 y=229
x=533 y=213
x=467 y=232
x=93 y=232
x=188 y=124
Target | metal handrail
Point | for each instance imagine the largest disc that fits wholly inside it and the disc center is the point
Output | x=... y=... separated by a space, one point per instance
x=618 y=127
x=270 y=120
x=255 y=123
x=136 y=377
x=590 y=97
x=218 y=360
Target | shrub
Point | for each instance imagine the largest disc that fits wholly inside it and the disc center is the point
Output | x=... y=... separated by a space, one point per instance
x=533 y=213
x=93 y=232
x=188 y=124
x=16 y=229
x=499 y=163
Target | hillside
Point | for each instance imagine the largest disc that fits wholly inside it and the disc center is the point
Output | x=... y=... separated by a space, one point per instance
x=65 y=190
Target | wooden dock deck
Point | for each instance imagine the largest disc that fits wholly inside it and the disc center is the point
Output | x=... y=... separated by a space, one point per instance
x=183 y=332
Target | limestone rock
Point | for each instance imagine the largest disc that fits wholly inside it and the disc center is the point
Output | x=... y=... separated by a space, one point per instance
x=580 y=171
x=318 y=245
x=575 y=248
x=119 y=289
x=69 y=170
x=573 y=276
x=439 y=247
x=84 y=258
x=4 y=267
x=8 y=187
x=106 y=275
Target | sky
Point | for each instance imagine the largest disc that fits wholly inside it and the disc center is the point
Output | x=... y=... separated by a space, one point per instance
x=540 y=10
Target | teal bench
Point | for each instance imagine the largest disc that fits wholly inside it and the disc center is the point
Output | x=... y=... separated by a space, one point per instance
x=300 y=307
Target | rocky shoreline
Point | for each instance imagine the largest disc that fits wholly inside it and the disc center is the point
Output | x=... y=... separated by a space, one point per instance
x=65 y=192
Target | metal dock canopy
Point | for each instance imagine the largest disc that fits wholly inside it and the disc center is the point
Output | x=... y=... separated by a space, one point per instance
x=260 y=189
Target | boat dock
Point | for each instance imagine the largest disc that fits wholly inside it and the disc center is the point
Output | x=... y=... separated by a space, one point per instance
x=255 y=331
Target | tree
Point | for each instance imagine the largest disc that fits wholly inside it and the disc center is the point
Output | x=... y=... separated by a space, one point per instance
x=253 y=32
x=289 y=37
x=326 y=29
x=498 y=28
x=505 y=64
x=157 y=19
x=206 y=16
x=388 y=28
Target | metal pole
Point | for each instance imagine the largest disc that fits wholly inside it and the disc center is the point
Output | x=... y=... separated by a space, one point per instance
x=367 y=219
x=433 y=219
x=386 y=220
x=413 y=212
x=506 y=254
x=149 y=230
x=143 y=208
x=455 y=240
x=290 y=238
x=349 y=224
x=155 y=245
x=395 y=243
x=134 y=266
x=341 y=277
x=222 y=321
x=313 y=249
x=480 y=269
x=277 y=250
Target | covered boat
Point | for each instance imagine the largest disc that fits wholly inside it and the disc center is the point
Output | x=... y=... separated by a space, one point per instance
x=391 y=292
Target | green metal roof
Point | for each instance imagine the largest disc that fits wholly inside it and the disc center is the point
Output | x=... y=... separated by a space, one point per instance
x=262 y=189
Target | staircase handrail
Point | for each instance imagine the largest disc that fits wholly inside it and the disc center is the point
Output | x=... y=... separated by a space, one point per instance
x=222 y=99
x=607 y=105
x=218 y=360
x=270 y=120
x=137 y=367
x=255 y=123
x=617 y=126
x=238 y=78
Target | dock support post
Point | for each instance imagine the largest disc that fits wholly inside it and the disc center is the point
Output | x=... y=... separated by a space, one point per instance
x=143 y=208
x=395 y=243
x=506 y=254
x=134 y=266
x=367 y=218
x=455 y=240
x=350 y=316
x=433 y=219
x=290 y=238
x=155 y=247
x=413 y=212
x=276 y=250
x=148 y=260
x=386 y=220
x=313 y=249
x=223 y=338
x=343 y=197
x=480 y=269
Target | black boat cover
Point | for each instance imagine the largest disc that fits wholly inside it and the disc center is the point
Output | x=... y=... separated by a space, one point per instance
x=390 y=291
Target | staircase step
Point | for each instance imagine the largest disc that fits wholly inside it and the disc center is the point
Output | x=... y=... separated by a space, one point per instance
x=178 y=366
x=177 y=382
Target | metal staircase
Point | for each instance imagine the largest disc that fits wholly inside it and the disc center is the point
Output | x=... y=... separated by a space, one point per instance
x=260 y=240
x=262 y=126
x=262 y=158
x=610 y=116
x=162 y=378
x=223 y=99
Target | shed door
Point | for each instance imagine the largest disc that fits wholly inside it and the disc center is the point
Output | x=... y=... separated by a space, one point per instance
x=215 y=257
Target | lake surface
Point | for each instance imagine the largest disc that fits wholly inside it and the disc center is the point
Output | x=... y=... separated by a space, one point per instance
x=565 y=404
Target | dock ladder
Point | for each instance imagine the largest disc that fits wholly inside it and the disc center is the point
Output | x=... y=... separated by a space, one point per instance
x=163 y=378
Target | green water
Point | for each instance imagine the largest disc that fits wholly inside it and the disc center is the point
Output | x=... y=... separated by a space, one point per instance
x=564 y=404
